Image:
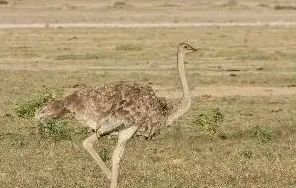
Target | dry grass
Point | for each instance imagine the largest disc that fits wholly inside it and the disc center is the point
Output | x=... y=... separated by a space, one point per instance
x=254 y=146
x=140 y=11
x=284 y=7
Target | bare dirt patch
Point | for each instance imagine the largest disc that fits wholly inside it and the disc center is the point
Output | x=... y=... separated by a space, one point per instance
x=151 y=25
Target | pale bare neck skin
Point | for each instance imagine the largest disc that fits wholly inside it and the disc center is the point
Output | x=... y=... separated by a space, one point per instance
x=185 y=103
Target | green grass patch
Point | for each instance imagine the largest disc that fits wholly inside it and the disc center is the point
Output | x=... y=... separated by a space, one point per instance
x=263 y=134
x=210 y=120
x=28 y=107
x=104 y=154
x=54 y=129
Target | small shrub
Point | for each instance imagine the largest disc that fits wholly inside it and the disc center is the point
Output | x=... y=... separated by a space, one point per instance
x=54 y=129
x=28 y=108
x=263 y=133
x=210 y=120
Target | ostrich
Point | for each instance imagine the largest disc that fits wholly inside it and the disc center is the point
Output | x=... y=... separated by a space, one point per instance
x=122 y=108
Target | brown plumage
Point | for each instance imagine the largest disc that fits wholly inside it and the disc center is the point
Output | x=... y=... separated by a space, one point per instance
x=125 y=102
x=125 y=108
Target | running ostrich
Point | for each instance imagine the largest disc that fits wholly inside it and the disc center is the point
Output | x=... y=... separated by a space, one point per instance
x=124 y=108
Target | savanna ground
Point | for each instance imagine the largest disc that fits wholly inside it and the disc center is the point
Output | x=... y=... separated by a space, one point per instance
x=248 y=73
x=143 y=11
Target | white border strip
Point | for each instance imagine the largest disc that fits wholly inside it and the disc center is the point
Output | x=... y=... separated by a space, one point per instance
x=146 y=25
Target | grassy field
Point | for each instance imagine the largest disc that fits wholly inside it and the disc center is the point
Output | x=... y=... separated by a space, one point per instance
x=254 y=145
x=141 y=11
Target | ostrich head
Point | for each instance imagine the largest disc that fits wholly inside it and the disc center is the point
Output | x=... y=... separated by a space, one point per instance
x=186 y=48
x=54 y=109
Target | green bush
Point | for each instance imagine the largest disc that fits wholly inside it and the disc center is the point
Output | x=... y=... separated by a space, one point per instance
x=27 y=108
x=210 y=120
x=54 y=129
x=263 y=133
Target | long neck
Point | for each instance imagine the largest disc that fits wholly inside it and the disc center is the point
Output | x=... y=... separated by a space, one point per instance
x=186 y=99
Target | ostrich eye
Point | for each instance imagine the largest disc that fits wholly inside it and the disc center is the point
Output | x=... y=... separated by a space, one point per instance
x=186 y=47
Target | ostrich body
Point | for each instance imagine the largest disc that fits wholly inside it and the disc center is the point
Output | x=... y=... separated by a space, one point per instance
x=125 y=108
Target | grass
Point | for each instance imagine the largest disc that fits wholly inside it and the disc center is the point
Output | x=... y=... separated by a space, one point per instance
x=263 y=134
x=119 y=4
x=128 y=47
x=28 y=107
x=123 y=11
x=254 y=143
x=230 y=3
x=170 y=154
x=113 y=49
x=54 y=129
x=16 y=140
x=210 y=120
x=77 y=56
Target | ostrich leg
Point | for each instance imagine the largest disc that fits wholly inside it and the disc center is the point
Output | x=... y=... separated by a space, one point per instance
x=124 y=136
x=88 y=146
